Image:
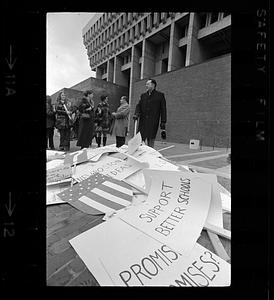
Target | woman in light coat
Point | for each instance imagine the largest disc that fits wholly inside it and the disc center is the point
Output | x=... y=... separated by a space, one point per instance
x=121 y=122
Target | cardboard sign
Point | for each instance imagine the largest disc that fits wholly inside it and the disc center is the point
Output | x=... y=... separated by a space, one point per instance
x=53 y=190
x=134 y=143
x=175 y=212
x=52 y=154
x=114 y=167
x=58 y=174
x=124 y=256
x=226 y=202
x=215 y=215
x=98 y=194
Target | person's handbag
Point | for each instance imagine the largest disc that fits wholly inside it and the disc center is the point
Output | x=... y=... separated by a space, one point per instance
x=85 y=116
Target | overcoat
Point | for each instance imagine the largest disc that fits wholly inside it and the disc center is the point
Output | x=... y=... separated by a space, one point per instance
x=121 y=120
x=62 y=119
x=86 y=126
x=50 y=116
x=103 y=119
x=150 y=109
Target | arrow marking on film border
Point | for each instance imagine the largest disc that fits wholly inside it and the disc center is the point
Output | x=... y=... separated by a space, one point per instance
x=11 y=62
x=10 y=208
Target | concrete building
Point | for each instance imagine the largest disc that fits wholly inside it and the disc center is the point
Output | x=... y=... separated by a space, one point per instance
x=188 y=54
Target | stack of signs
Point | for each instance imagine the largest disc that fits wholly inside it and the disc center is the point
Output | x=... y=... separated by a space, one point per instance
x=84 y=155
x=111 y=166
x=124 y=256
x=98 y=194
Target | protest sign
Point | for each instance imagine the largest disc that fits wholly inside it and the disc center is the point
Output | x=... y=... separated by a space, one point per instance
x=54 y=163
x=175 y=210
x=53 y=190
x=58 y=173
x=87 y=154
x=226 y=202
x=158 y=163
x=52 y=155
x=114 y=167
x=215 y=215
x=98 y=194
x=134 y=143
x=124 y=256
x=137 y=180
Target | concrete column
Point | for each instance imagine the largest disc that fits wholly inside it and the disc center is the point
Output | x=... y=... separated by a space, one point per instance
x=99 y=73
x=148 y=59
x=175 y=59
x=119 y=77
x=135 y=68
x=194 y=53
x=110 y=70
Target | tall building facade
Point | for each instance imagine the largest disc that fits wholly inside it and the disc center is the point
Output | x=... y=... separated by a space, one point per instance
x=128 y=48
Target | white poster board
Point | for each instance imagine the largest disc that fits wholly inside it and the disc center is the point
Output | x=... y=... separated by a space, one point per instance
x=176 y=207
x=215 y=215
x=53 y=190
x=58 y=174
x=134 y=143
x=124 y=256
x=114 y=167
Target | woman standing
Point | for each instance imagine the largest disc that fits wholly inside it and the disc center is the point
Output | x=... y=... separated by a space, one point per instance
x=102 y=120
x=63 y=114
x=86 y=123
x=121 y=122
x=50 y=123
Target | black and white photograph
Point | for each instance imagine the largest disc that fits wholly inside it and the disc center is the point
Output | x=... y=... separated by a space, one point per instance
x=156 y=167
x=138 y=149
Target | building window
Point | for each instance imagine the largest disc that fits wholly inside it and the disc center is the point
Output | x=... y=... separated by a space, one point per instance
x=124 y=20
x=203 y=20
x=152 y=18
x=214 y=17
x=129 y=18
x=145 y=24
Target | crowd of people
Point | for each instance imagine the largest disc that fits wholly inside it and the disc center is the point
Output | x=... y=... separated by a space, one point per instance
x=85 y=122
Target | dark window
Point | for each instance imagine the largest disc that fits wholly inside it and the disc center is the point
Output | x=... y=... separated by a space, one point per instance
x=214 y=17
x=164 y=65
x=225 y=14
x=202 y=17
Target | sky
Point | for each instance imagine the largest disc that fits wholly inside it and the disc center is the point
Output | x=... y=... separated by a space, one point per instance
x=67 y=60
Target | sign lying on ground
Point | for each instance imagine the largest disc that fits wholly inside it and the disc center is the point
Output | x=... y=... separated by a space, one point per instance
x=58 y=173
x=215 y=215
x=134 y=143
x=175 y=211
x=114 y=167
x=124 y=256
x=98 y=194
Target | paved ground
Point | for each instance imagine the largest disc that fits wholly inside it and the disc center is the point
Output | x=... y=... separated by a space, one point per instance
x=206 y=159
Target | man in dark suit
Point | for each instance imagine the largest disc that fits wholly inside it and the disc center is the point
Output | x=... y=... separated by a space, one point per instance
x=151 y=106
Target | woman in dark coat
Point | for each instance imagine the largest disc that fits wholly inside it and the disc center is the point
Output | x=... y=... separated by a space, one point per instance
x=121 y=122
x=86 y=123
x=50 y=124
x=63 y=114
x=103 y=120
